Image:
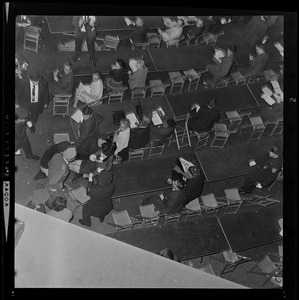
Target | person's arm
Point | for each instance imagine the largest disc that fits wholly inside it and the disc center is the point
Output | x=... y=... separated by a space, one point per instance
x=64 y=82
x=122 y=142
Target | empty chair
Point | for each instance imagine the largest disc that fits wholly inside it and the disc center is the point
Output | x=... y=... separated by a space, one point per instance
x=258 y=128
x=278 y=128
x=193 y=79
x=138 y=93
x=177 y=82
x=272 y=270
x=111 y=42
x=31 y=38
x=122 y=220
x=116 y=96
x=221 y=135
x=155 y=151
x=136 y=154
x=232 y=196
x=61 y=105
x=235 y=120
x=231 y=260
x=148 y=215
x=211 y=204
x=77 y=196
x=157 y=88
x=193 y=209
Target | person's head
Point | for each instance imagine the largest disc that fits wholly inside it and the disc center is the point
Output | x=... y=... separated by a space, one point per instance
x=124 y=124
x=181 y=22
x=145 y=121
x=177 y=180
x=199 y=22
x=212 y=103
x=120 y=64
x=167 y=253
x=260 y=48
x=69 y=154
x=102 y=179
x=139 y=21
x=231 y=49
x=194 y=171
x=67 y=67
x=59 y=204
x=87 y=112
x=34 y=76
x=170 y=123
x=273 y=152
x=106 y=151
x=96 y=75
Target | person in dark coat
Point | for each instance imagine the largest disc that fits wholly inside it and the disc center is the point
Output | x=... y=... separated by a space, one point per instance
x=49 y=153
x=21 y=138
x=203 y=118
x=119 y=75
x=159 y=134
x=264 y=173
x=32 y=94
x=90 y=124
x=258 y=63
x=140 y=136
x=100 y=189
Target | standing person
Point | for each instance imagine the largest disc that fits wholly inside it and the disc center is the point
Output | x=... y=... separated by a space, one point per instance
x=119 y=75
x=85 y=29
x=121 y=139
x=100 y=189
x=159 y=134
x=257 y=63
x=32 y=94
x=223 y=69
x=21 y=138
x=89 y=93
x=264 y=172
x=203 y=118
x=60 y=211
x=62 y=83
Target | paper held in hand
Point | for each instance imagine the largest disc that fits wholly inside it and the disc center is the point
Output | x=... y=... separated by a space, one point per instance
x=156 y=118
x=133 y=64
x=77 y=116
x=133 y=120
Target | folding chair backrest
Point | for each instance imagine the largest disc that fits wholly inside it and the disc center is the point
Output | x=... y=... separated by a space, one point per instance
x=220 y=127
x=121 y=218
x=232 y=194
x=230 y=256
x=267 y=265
x=194 y=205
x=147 y=211
x=209 y=200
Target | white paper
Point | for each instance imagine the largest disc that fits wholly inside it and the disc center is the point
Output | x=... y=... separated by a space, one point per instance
x=267 y=91
x=133 y=120
x=160 y=111
x=133 y=65
x=77 y=116
x=156 y=118
x=276 y=87
x=279 y=47
x=268 y=99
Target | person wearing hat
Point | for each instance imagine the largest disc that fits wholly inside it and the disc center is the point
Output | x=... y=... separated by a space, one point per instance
x=62 y=83
x=47 y=156
x=264 y=172
x=58 y=171
x=33 y=94
x=203 y=117
x=159 y=134
x=21 y=138
x=100 y=188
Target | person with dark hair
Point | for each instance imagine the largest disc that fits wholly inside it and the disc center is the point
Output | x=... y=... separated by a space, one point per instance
x=167 y=253
x=195 y=31
x=47 y=156
x=21 y=138
x=257 y=63
x=159 y=134
x=60 y=211
x=62 y=82
x=203 y=118
x=33 y=94
x=221 y=70
x=100 y=189
x=264 y=172
x=89 y=93
x=90 y=124
x=119 y=75
x=169 y=203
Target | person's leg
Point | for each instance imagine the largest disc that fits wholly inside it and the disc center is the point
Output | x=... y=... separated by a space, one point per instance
x=78 y=44
x=76 y=100
x=26 y=146
x=248 y=186
x=86 y=220
x=91 y=51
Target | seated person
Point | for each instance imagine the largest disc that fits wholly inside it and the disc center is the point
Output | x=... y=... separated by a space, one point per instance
x=100 y=188
x=172 y=34
x=49 y=153
x=159 y=134
x=194 y=181
x=189 y=20
x=138 y=77
x=258 y=63
x=264 y=173
x=203 y=118
x=121 y=139
x=136 y=36
x=62 y=83
x=170 y=21
x=140 y=136
x=102 y=159
x=169 y=203
x=60 y=211
x=221 y=70
x=273 y=113
x=89 y=93
x=119 y=75
x=90 y=124
x=196 y=31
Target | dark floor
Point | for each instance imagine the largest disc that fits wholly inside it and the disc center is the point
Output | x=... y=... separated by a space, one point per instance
x=25 y=185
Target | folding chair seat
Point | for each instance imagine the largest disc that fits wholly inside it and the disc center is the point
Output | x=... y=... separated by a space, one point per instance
x=235 y=120
x=155 y=151
x=177 y=82
x=148 y=215
x=61 y=104
x=234 y=200
x=193 y=78
x=273 y=271
x=31 y=38
x=157 y=88
x=193 y=210
x=154 y=40
x=138 y=93
x=221 y=136
x=278 y=128
x=123 y=221
x=77 y=196
x=115 y=96
x=231 y=260
x=136 y=154
x=258 y=128
x=111 y=42
x=211 y=204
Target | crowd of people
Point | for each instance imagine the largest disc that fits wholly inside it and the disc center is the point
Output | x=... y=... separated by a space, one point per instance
x=94 y=153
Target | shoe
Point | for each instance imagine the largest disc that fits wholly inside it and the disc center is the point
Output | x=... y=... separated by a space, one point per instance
x=40 y=175
x=34 y=157
x=82 y=223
